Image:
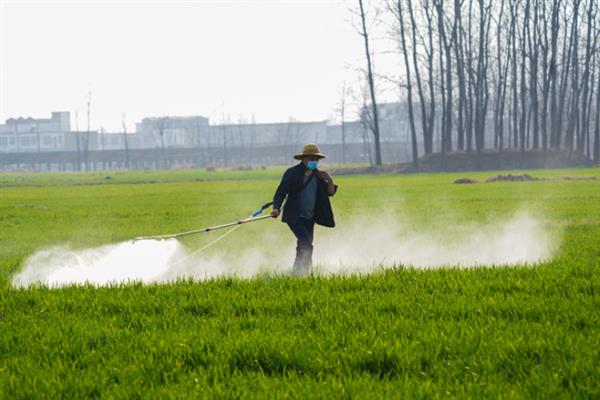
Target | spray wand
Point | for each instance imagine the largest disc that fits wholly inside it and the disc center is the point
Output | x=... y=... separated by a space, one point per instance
x=255 y=216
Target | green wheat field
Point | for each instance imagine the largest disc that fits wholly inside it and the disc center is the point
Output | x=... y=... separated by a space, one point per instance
x=520 y=331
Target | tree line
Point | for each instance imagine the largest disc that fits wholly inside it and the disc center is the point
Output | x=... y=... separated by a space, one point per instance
x=501 y=74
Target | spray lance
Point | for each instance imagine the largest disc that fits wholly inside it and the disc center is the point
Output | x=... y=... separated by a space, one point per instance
x=255 y=216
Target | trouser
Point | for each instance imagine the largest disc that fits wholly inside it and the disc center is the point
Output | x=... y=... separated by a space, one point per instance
x=303 y=230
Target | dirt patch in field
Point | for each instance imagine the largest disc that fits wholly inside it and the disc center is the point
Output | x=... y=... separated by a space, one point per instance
x=579 y=178
x=529 y=178
x=524 y=178
x=463 y=181
x=514 y=178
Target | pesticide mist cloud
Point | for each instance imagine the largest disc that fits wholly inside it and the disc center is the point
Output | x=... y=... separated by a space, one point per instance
x=519 y=240
x=353 y=247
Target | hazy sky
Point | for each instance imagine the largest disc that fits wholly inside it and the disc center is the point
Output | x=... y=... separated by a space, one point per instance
x=273 y=59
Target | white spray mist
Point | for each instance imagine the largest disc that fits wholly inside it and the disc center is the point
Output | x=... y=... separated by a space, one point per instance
x=358 y=246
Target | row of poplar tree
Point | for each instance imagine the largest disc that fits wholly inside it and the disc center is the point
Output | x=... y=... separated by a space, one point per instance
x=518 y=74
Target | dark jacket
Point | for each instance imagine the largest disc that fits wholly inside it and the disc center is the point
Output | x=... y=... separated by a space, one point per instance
x=291 y=186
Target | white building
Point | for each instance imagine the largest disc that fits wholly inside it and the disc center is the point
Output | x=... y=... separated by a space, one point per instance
x=35 y=134
x=170 y=131
x=31 y=135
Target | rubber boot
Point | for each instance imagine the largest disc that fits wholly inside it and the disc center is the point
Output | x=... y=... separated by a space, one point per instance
x=303 y=261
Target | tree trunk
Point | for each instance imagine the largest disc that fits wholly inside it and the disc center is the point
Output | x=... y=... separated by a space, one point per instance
x=584 y=126
x=431 y=83
x=597 y=128
x=343 y=127
x=376 y=135
x=515 y=97
x=481 y=95
x=411 y=118
x=446 y=52
x=427 y=134
x=460 y=75
x=533 y=82
x=128 y=166
x=523 y=93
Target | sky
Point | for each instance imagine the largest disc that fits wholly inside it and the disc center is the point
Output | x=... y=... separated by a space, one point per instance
x=227 y=60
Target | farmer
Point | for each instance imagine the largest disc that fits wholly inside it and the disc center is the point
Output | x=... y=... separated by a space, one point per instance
x=307 y=190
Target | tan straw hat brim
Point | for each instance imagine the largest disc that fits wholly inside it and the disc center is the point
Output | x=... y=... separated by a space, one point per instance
x=308 y=150
x=299 y=156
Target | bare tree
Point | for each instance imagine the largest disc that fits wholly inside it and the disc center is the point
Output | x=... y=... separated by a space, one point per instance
x=400 y=17
x=101 y=138
x=224 y=130
x=533 y=49
x=469 y=56
x=87 y=132
x=252 y=139
x=342 y=111
x=591 y=44
x=375 y=126
x=427 y=113
x=78 y=141
x=125 y=143
x=550 y=20
x=197 y=143
x=241 y=123
x=460 y=73
x=366 y=120
x=597 y=128
x=523 y=81
x=503 y=62
x=481 y=83
x=575 y=92
x=446 y=68
x=538 y=83
x=161 y=124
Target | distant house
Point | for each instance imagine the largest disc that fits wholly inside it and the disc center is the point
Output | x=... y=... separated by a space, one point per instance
x=31 y=135
x=35 y=134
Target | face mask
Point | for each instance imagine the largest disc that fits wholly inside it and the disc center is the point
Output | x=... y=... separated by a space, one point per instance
x=312 y=164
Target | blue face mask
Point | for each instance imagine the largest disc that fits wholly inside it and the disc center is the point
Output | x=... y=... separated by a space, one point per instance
x=312 y=164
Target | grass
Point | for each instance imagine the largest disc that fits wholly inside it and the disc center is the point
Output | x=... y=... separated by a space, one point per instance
x=517 y=332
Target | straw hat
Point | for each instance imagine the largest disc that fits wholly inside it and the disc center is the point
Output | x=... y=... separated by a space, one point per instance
x=310 y=149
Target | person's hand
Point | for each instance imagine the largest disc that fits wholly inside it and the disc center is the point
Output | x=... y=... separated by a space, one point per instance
x=325 y=176
x=275 y=213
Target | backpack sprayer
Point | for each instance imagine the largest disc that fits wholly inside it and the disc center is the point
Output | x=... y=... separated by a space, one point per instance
x=255 y=216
